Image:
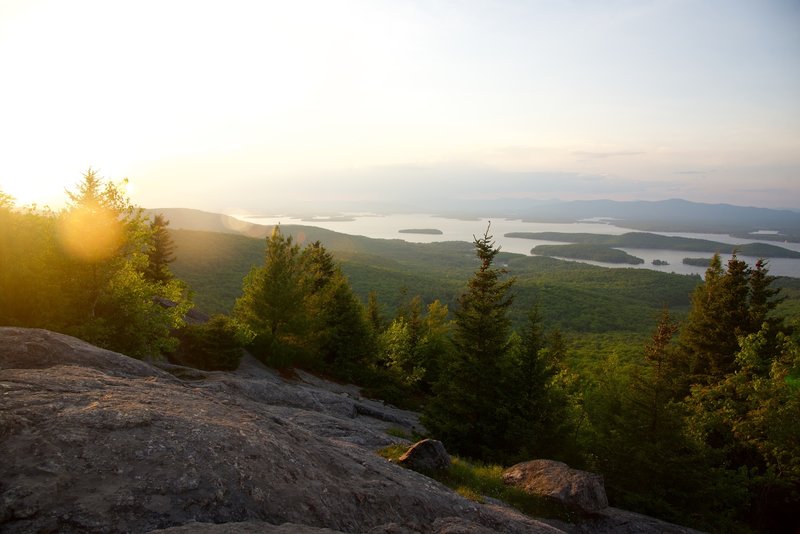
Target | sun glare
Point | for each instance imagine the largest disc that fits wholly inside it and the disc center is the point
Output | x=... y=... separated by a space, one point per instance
x=91 y=235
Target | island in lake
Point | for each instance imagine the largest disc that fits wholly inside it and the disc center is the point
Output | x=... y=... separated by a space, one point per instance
x=661 y=242
x=581 y=251
x=697 y=262
x=660 y=262
x=427 y=231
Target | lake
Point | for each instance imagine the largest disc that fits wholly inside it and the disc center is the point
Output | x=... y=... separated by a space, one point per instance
x=388 y=227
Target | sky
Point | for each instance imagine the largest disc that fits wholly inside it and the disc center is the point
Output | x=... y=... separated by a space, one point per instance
x=266 y=105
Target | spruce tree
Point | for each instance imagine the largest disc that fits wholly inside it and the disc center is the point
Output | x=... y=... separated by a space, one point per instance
x=467 y=412
x=729 y=304
x=162 y=251
x=538 y=407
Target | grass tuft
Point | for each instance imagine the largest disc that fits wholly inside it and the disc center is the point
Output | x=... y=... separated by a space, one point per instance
x=477 y=481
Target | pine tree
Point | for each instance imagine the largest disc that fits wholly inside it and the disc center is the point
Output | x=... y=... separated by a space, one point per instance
x=466 y=412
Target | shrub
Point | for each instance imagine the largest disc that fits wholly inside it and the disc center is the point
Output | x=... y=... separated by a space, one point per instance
x=213 y=346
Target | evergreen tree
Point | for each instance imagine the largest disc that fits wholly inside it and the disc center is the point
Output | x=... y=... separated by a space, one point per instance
x=664 y=377
x=749 y=427
x=111 y=303
x=162 y=250
x=345 y=341
x=729 y=304
x=538 y=420
x=272 y=301
x=413 y=346
x=81 y=272
x=318 y=267
x=636 y=436
x=466 y=411
x=374 y=314
x=435 y=347
x=302 y=310
x=214 y=345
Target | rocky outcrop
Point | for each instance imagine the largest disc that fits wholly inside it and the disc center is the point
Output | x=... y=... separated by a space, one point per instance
x=556 y=480
x=585 y=492
x=615 y=521
x=93 y=441
x=426 y=455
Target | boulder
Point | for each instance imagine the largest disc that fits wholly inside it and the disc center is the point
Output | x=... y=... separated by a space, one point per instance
x=556 y=480
x=426 y=455
x=93 y=441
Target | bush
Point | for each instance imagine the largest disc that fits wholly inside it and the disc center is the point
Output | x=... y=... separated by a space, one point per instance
x=214 y=346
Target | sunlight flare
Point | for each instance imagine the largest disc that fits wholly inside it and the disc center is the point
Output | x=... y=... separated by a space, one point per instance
x=91 y=234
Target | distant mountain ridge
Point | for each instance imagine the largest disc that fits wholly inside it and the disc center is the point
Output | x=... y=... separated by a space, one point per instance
x=673 y=215
x=192 y=219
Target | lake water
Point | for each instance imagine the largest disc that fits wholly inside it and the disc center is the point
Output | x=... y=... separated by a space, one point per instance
x=388 y=227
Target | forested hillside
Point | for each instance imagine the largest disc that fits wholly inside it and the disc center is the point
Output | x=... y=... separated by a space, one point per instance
x=683 y=392
x=572 y=295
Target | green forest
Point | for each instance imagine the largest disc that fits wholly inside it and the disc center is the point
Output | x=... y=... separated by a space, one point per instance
x=684 y=392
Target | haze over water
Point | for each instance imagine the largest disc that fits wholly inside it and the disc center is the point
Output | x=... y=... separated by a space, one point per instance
x=388 y=227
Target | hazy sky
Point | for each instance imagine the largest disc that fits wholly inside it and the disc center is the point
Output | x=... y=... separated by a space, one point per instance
x=234 y=105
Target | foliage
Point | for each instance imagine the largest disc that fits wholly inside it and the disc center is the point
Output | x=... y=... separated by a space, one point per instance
x=722 y=457
x=213 y=346
x=271 y=304
x=464 y=412
x=414 y=346
x=31 y=292
x=213 y=266
x=301 y=309
x=571 y=296
x=634 y=436
x=731 y=302
x=81 y=272
x=748 y=423
x=539 y=420
x=161 y=252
